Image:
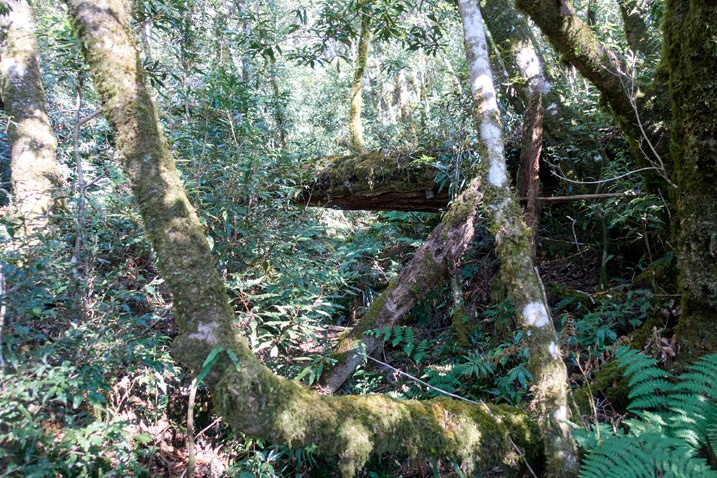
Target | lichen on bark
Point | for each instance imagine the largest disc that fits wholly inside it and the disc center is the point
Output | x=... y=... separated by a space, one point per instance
x=512 y=245
x=33 y=166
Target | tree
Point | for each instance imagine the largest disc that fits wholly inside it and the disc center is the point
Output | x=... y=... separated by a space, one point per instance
x=513 y=247
x=32 y=140
x=355 y=127
x=685 y=165
x=247 y=394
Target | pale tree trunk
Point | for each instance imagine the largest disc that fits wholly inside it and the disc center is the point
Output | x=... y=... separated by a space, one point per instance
x=355 y=127
x=517 y=272
x=516 y=44
x=402 y=90
x=249 y=397
x=33 y=143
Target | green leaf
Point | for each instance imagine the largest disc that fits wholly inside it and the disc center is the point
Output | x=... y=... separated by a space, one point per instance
x=209 y=363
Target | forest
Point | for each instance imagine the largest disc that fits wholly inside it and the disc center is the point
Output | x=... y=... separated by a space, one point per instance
x=358 y=238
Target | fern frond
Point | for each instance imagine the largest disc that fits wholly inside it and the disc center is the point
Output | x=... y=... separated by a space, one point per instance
x=682 y=464
x=618 y=457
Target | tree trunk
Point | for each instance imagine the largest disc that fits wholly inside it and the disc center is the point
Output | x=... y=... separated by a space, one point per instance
x=355 y=126
x=517 y=272
x=402 y=91
x=516 y=44
x=690 y=55
x=636 y=31
x=33 y=143
x=641 y=116
x=249 y=397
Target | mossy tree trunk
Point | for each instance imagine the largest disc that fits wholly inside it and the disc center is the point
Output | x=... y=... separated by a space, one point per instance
x=637 y=115
x=517 y=47
x=512 y=244
x=690 y=54
x=431 y=264
x=33 y=143
x=355 y=127
x=249 y=396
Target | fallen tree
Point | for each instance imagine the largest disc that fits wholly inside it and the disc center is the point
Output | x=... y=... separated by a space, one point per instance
x=376 y=181
x=383 y=181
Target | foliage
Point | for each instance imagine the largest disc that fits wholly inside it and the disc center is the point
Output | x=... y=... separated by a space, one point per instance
x=63 y=408
x=674 y=426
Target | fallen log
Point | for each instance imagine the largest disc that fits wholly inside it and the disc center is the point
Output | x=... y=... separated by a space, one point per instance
x=391 y=181
x=376 y=181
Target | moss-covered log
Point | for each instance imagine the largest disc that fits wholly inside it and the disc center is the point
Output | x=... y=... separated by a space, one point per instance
x=430 y=265
x=380 y=181
x=249 y=396
x=690 y=55
x=33 y=143
x=376 y=181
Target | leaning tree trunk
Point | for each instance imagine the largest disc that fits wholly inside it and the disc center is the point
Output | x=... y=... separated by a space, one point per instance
x=430 y=265
x=690 y=55
x=355 y=126
x=33 y=143
x=246 y=394
x=517 y=272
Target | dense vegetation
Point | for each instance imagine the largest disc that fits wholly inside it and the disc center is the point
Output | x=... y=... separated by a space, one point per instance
x=254 y=98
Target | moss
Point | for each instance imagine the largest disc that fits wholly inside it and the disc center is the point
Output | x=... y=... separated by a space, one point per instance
x=462 y=328
x=690 y=57
x=611 y=382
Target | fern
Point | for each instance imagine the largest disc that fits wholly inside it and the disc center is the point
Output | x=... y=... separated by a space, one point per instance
x=675 y=424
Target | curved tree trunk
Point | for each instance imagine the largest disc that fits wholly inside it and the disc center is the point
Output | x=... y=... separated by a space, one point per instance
x=511 y=238
x=32 y=141
x=249 y=397
x=355 y=126
x=691 y=58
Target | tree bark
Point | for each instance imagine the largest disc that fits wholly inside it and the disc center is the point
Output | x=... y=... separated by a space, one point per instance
x=516 y=43
x=249 y=397
x=640 y=116
x=517 y=272
x=355 y=127
x=430 y=266
x=690 y=55
x=391 y=181
x=33 y=144
x=636 y=31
